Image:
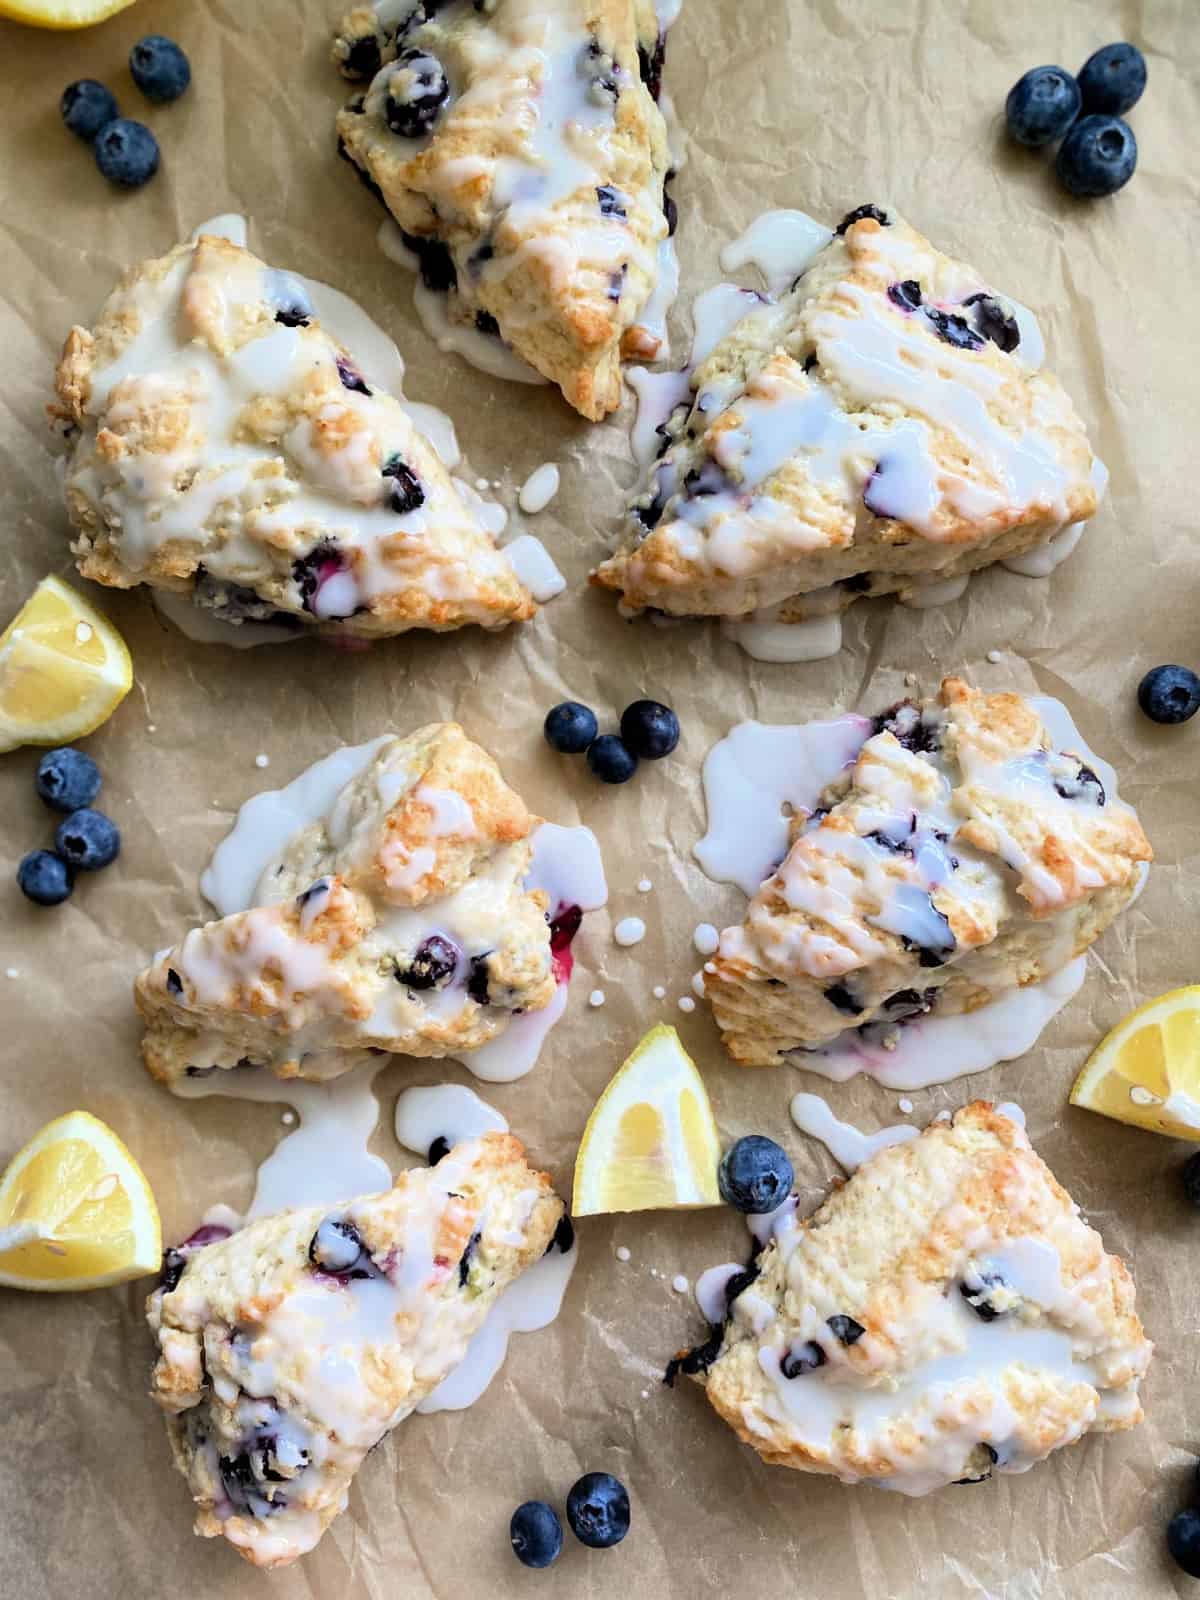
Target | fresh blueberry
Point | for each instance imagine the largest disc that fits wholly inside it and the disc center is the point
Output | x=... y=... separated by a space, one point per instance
x=44 y=878
x=404 y=492
x=417 y=91
x=1112 y=80
x=1191 y=1179
x=570 y=727
x=536 y=1534
x=1097 y=157
x=87 y=840
x=439 y=1148
x=337 y=1249
x=598 y=1510
x=802 y=1360
x=126 y=153
x=435 y=960
x=859 y=214
x=755 y=1175
x=159 y=68
x=1041 y=106
x=1183 y=1540
x=611 y=759
x=87 y=106
x=67 y=779
x=649 y=729
x=1169 y=694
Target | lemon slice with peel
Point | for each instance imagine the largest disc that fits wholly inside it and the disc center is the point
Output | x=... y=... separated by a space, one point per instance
x=651 y=1143
x=64 y=669
x=76 y=1211
x=1147 y=1070
x=61 y=13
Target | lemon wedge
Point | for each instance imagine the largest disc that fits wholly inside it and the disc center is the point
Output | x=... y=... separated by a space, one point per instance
x=651 y=1142
x=64 y=669
x=1147 y=1070
x=76 y=1211
x=61 y=13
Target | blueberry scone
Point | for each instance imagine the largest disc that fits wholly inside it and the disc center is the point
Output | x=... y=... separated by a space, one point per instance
x=288 y=1350
x=225 y=448
x=947 y=1314
x=884 y=425
x=398 y=922
x=960 y=855
x=519 y=146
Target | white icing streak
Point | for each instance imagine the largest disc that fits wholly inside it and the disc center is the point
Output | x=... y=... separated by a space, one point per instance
x=848 y=1145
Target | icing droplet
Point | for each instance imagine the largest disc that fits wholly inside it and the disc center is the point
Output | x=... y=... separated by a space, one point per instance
x=644 y=886
x=262 y=760
x=659 y=992
x=630 y=930
x=680 y=1284
x=706 y=939
x=596 y=998
x=622 y=1252
x=539 y=489
x=686 y=1003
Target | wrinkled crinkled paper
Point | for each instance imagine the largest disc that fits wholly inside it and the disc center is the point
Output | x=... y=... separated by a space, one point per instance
x=820 y=104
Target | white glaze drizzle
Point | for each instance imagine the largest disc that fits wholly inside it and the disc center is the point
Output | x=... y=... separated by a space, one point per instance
x=534 y=567
x=848 y=1145
x=539 y=489
x=447 y=1111
x=779 y=244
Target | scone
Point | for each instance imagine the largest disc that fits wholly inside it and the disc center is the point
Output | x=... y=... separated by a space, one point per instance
x=880 y=427
x=398 y=922
x=225 y=448
x=945 y=1315
x=519 y=147
x=959 y=856
x=288 y=1350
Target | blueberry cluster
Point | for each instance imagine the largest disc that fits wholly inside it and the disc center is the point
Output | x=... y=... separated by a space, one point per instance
x=597 y=1512
x=649 y=731
x=1098 y=152
x=85 y=840
x=126 y=151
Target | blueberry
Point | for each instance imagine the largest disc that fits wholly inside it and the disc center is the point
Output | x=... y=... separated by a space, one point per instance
x=978 y=1295
x=439 y=1148
x=650 y=65
x=570 y=727
x=649 y=729
x=802 y=1360
x=433 y=962
x=477 y=981
x=842 y=999
x=87 y=106
x=464 y=1261
x=67 y=779
x=1169 y=694
x=437 y=264
x=44 y=878
x=755 y=1175
x=598 y=1510
x=126 y=153
x=337 y=1249
x=859 y=214
x=906 y=295
x=309 y=572
x=611 y=202
x=363 y=59
x=994 y=322
x=87 y=840
x=351 y=378
x=404 y=493
x=536 y=1534
x=1112 y=80
x=486 y=323
x=611 y=759
x=1191 y=1179
x=953 y=329
x=417 y=91
x=564 y=1236
x=159 y=68
x=1183 y=1540
x=845 y=1329
x=1097 y=157
x=1041 y=106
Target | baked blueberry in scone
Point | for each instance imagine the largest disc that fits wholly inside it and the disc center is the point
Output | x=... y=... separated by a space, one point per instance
x=946 y=1315
x=960 y=855
x=886 y=424
x=227 y=449
x=519 y=147
x=288 y=1350
x=398 y=922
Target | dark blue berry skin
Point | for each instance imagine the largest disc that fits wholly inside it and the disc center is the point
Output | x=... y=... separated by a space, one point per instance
x=1169 y=694
x=1191 y=1179
x=755 y=1175
x=1183 y=1541
x=1041 y=106
x=649 y=729
x=87 y=106
x=536 y=1534
x=1112 y=80
x=1097 y=157
x=159 y=68
x=126 y=153
x=44 y=878
x=87 y=840
x=598 y=1510
x=67 y=779
x=439 y=1148
x=611 y=759
x=570 y=728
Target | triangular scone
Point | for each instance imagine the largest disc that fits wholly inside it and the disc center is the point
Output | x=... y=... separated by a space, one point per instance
x=960 y=855
x=883 y=426
x=946 y=1315
x=227 y=449
x=288 y=1350
x=519 y=147
x=397 y=923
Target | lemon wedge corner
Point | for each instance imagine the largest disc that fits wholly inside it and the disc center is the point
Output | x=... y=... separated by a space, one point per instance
x=64 y=669
x=1146 y=1071
x=651 y=1142
x=61 y=14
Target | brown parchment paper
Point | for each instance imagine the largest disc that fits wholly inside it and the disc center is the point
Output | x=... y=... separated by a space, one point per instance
x=821 y=104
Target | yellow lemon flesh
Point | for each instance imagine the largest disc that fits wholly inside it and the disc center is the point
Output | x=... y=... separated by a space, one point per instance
x=76 y=1211
x=61 y=13
x=651 y=1143
x=1147 y=1070
x=64 y=669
